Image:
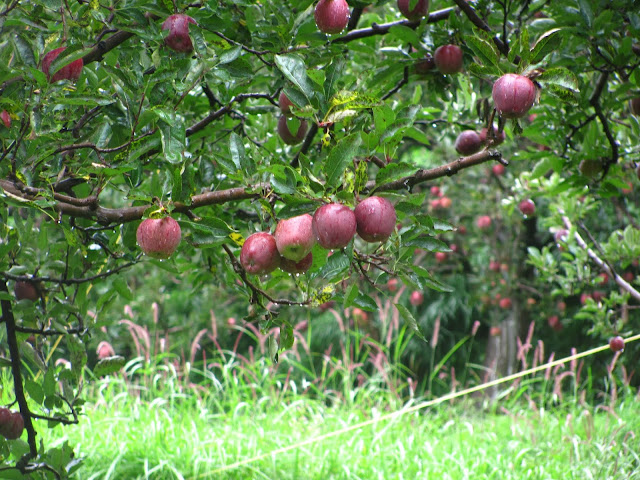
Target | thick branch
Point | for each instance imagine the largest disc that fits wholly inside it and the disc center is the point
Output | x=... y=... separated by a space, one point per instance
x=447 y=170
x=14 y=351
x=109 y=216
x=383 y=29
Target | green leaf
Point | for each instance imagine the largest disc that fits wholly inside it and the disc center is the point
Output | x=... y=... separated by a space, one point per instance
x=230 y=55
x=431 y=244
x=293 y=67
x=365 y=302
x=77 y=354
x=208 y=231
x=236 y=149
x=34 y=390
x=172 y=136
x=547 y=43
x=339 y=158
x=405 y=34
x=559 y=76
x=586 y=12
x=283 y=179
x=23 y=49
x=485 y=50
x=336 y=265
x=394 y=171
x=410 y=320
x=286 y=336
x=565 y=94
x=109 y=365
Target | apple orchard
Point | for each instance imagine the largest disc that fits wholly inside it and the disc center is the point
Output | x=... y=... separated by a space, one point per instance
x=474 y=163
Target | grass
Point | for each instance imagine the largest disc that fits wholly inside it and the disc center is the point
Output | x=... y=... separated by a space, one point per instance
x=159 y=430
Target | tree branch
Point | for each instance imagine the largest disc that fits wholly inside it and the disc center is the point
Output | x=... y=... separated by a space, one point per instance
x=446 y=170
x=14 y=351
x=383 y=29
x=601 y=263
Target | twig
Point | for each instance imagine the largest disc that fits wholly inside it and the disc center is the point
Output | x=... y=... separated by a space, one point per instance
x=255 y=291
x=604 y=266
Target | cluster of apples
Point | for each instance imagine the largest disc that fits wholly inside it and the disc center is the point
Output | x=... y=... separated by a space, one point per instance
x=332 y=226
x=11 y=424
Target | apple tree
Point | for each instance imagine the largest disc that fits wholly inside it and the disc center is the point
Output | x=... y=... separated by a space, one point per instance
x=269 y=149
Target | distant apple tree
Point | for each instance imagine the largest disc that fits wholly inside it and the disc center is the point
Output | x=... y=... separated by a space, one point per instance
x=213 y=121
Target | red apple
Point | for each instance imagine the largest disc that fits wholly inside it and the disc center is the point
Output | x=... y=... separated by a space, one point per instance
x=494 y=266
x=291 y=266
x=6 y=118
x=323 y=307
x=259 y=254
x=527 y=207
x=360 y=317
x=628 y=276
x=159 y=237
x=513 y=95
x=603 y=278
x=441 y=257
x=627 y=190
x=495 y=331
x=584 y=297
x=392 y=285
x=445 y=202
x=375 y=219
x=505 y=303
x=554 y=323
x=435 y=191
x=105 y=350
x=285 y=104
x=294 y=237
x=334 y=225
x=70 y=71
x=531 y=301
x=178 y=38
x=462 y=230
x=483 y=222
x=448 y=59
x=454 y=248
x=468 y=142
x=561 y=235
x=332 y=16
x=416 y=298
x=11 y=424
x=498 y=138
x=286 y=135
x=25 y=291
x=498 y=169
x=616 y=344
x=634 y=106
x=562 y=306
x=420 y=10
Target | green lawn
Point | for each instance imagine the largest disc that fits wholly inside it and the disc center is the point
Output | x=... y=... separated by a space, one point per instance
x=123 y=437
